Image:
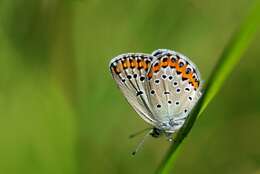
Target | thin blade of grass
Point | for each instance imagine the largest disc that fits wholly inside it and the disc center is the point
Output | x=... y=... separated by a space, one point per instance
x=227 y=62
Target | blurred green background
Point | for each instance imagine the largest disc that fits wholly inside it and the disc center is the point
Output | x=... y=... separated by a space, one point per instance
x=61 y=113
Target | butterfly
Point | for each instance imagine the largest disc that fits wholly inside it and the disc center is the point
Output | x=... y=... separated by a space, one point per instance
x=162 y=87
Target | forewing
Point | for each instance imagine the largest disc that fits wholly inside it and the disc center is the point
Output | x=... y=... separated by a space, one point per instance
x=129 y=71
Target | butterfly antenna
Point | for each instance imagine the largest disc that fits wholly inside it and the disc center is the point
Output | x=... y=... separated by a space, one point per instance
x=141 y=143
x=139 y=132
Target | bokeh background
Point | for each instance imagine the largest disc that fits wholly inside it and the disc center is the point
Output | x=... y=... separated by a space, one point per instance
x=61 y=113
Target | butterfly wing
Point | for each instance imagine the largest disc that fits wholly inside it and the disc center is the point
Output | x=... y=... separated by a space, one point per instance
x=129 y=71
x=174 y=85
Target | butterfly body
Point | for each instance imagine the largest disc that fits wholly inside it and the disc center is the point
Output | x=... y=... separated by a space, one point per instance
x=162 y=87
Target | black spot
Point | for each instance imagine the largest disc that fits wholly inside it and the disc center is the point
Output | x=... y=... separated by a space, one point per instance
x=170 y=77
x=158 y=106
x=164 y=60
x=177 y=103
x=185 y=110
x=142 y=78
x=187 y=89
x=190 y=98
x=178 y=72
x=181 y=64
x=139 y=93
x=173 y=59
x=170 y=102
x=152 y=92
x=157 y=81
x=166 y=92
x=129 y=77
x=123 y=80
x=164 y=76
x=178 y=90
x=135 y=75
x=184 y=78
x=175 y=83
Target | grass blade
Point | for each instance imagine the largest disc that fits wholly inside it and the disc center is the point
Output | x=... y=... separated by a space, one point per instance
x=227 y=62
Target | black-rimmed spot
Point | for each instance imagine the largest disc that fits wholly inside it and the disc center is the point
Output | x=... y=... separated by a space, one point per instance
x=181 y=64
x=158 y=106
x=178 y=90
x=187 y=89
x=188 y=71
x=135 y=75
x=177 y=103
x=139 y=93
x=152 y=92
x=142 y=78
x=170 y=77
x=190 y=98
x=157 y=81
x=170 y=102
x=173 y=59
x=166 y=92
x=164 y=76
x=129 y=77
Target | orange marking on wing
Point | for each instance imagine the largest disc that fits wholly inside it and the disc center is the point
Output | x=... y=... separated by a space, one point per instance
x=156 y=68
x=180 y=69
x=128 y=63
x=172 y=63
x=124 y=63
x=196 y=84
x=150 y=75
x=134 y=64
x=146 y=65
x=131 y=61
x=117 y=69
x=164 y=62
x=140 y=64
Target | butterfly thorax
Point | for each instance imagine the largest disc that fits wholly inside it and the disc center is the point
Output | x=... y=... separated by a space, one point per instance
x=157 y=132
